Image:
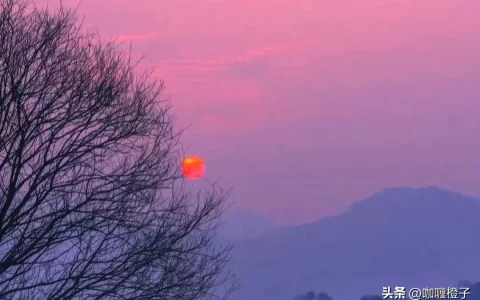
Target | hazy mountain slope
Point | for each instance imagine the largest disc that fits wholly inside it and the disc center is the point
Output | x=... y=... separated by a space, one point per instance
x=243 y=225
x=402 y=236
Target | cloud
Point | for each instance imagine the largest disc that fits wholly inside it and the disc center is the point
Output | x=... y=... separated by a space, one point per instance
x=138 y=37
x=227 y=93
x=252 y=63
x=273 y=50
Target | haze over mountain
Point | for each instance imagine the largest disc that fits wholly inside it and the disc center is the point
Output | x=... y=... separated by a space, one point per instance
x=244 y=225
x=425 y=237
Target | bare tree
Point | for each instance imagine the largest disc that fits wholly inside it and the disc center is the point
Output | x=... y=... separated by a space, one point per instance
x=324 y=296
x=311 y=295
x=371 y=297
x=91 y=202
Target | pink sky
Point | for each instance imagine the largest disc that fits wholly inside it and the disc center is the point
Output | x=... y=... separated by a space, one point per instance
x=306 y=106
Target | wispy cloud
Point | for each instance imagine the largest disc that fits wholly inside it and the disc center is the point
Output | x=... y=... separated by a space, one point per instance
x=250 y=61
x=136 y=37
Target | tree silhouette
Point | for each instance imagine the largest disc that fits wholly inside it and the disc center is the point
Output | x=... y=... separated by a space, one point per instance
x=371 y=297
x=474 y=292
x=323 y=296
x=92 y=204
x=311 y=295
x=464 y=283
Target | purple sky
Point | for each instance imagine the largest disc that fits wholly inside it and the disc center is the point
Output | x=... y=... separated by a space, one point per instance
x=304 y=106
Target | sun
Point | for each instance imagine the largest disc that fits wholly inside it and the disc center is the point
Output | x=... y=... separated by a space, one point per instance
x=193 y=167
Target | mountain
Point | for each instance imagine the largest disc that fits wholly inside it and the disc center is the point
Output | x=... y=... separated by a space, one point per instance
x=242 y=225
x=425 y=237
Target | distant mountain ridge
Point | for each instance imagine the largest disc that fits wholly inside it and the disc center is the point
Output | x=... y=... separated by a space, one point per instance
x=425 y=236
x=404 y=198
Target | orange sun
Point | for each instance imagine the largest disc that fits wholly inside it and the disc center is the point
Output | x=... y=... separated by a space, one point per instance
x=193 y=167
